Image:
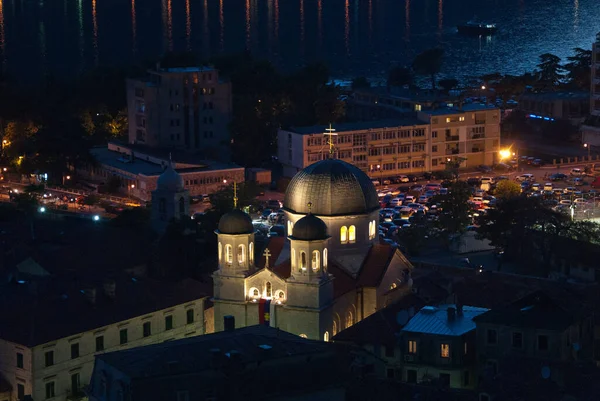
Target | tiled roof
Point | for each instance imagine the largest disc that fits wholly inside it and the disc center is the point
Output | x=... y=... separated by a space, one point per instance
x=434 y=320
x=54 y=308
x=382 y=326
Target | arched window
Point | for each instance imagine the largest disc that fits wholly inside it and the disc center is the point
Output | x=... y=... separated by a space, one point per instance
x=228 y=254
x=326 y=336
x=349 y=319
x=344 y=234
x=334 y=328
x=293 y=258
x=325 y=259
x=302 y=260
x=254 y=293
x=251 y=252
x=181 y=206
x=220 y=252
x=290 y=226
x=372 y=229
x=241 y=254
x=268 y=290
x=315 y=261
x=280 y=296
x=303 y=336
x=352 y=234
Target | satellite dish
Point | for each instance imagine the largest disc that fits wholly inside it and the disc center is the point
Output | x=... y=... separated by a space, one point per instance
x=545 y=372
x=402 y=317
x=576 y=346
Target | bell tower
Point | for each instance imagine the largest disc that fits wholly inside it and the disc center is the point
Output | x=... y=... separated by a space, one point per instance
x=170 y=200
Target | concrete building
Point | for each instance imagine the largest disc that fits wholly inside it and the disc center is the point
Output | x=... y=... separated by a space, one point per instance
x=438 y=343
x=388 y=148
x=56 y=326
x=328 y=274
x=550 y=106
x=591 y=126
x=181 y=108
x=251 y=363
x=139 y=168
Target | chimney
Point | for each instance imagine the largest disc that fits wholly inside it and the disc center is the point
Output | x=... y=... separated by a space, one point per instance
x=451 y=313
x=229 y=323
x=90 y=294
x=110 y=289
x=459 y=309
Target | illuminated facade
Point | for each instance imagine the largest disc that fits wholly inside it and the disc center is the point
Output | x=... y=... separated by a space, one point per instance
x=591 y=127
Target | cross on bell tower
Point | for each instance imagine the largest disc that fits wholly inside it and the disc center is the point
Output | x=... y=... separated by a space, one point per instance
x=330 y=132
x=267 y=254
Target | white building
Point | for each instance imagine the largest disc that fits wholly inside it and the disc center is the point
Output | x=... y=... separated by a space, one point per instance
x=591 y=127
x=54 y=328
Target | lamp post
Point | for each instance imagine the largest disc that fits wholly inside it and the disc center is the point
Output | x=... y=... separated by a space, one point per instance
x=589 y=149
x=131 y=187
x=380 y=174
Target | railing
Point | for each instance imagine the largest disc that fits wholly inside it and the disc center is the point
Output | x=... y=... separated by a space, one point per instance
x=75 y=396
x=451 y=151
x=477 y=136
x=452 y=137
x=475 y=150
x=479 y=121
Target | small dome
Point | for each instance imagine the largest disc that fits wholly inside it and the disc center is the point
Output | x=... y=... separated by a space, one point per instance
x=235 y=222
x=169 y=180
x=334 y=187
x=309 y=228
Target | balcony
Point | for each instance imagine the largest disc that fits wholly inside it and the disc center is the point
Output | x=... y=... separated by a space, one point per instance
x=451 y=151
x=76 y=396
x=477 y=136
x=479 y=121
x=451 y=138
x=475 y=150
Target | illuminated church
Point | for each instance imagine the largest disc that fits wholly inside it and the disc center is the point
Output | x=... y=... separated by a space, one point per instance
x=329 y=273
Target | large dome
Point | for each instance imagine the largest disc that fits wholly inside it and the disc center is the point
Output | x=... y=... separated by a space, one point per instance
x=169 y=180
x=235 y=222
x=310 y=228
x=334 y=188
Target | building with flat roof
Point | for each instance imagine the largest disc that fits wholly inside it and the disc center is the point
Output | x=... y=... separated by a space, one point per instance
x=139 y=167
x=549 y=106
x=388 y=148
x=591 y=126
x=181 y=108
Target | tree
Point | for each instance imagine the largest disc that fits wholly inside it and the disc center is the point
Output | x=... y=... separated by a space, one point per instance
x=360 y=82
x=506 y=189
x=91 y=200
x=455 y=209
x=578 y=68
x=550 y=72
x=113 y=184
x=400 y=76
x=28 y=204
x=429 y=63
x=448 y=84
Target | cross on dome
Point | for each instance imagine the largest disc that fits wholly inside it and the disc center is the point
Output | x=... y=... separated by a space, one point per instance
x=266 y=254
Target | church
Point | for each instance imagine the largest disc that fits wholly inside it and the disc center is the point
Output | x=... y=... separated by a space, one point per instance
x=331 y=270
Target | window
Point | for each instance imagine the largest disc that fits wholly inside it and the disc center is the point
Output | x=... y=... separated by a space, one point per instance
x=447 y=119
x=254 y=293
x=412 y=346
x=466 y=348
x=303 y=336
x=99 y=343
x=344 y=234
x=280 y=296
x=123 y=336
x=352 y=234
x=491 y=366
x=147 y=328
x=315 y=261
x=49 y=390
x=389 y=351
x=169 y=322
x=20 y=391
x=326 y=336
x=293 y=258
x=434 y=134
x=289 y=227
x=325 y=259
x=404 y=149
x=189 y=316
x=542 y=343
x=74 y=350
x=268 y=290
x=517 y=339
x=75 y=384
x=434 y=148
x=349 y=319
x=492 y=337
x=461 y=118
x=411 y=376
x=334 y=330
x=251 y=252
x=241 y=254
x=20 y=360
x=418 y=163
x=220 y=251
x=445 y=350
x=228 y=254
x=49 y=358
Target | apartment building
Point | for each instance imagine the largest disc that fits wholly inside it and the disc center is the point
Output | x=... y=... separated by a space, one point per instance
x=55 y=328
x=591 y=126
x=181 y=108
x=388 y=148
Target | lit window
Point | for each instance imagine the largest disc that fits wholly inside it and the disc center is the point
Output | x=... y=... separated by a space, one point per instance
x=303 y=336
x=412 y=347
x=228 y=254
x=349 y=319
x=315 y=261
x=334 y=328
x=417 y=107
x=290 y=226
x=447 y=119
x=254 y=293
x=325 y=259
x=268 y=290
x=445 y=350
x=461 y=118
x=352 y=234
x=344 y=234
x=220 y=251
x=326 y=336
x=280 y=296
x=302 y=261
x=293 y=258
x=393 y=286
x=241 y=254
x=251 y=252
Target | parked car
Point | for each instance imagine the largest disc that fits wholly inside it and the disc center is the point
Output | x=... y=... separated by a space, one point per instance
x=484 y=169
x=525 y=177
x=548 y=186
x=558 y=177
x=576 y=172
x=403 y=178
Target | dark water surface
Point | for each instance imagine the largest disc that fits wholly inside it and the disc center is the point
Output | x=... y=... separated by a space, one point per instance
x=354 y=37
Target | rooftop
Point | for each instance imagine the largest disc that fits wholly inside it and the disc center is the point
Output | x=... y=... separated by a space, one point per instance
x=184 y=69
x=358 y=126
x=395 y=92
x=466 y=107
x=434 y=320
x=556 y=96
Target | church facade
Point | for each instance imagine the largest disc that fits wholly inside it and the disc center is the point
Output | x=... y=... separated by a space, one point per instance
x=330 y=271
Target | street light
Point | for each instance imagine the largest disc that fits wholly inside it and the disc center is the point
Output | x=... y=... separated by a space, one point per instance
x=589 y=148
x=505 y=154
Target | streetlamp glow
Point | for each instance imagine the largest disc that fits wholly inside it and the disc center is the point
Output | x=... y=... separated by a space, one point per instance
x=505 y=154
x=482 y=87
x=42 y=209
x=96 y=218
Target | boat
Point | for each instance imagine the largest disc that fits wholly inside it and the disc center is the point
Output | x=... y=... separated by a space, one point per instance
x=477 y=28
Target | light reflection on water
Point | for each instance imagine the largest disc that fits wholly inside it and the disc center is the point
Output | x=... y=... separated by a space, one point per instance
x=354 y=37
